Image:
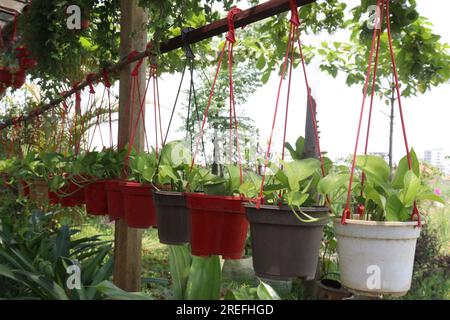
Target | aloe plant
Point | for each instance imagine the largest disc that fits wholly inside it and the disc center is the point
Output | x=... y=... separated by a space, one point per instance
x=383 y=199
x=194 y=278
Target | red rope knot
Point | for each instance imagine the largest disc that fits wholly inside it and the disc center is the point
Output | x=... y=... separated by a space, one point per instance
x=230 y=17
x=106 y=80
x=90 y=81
x=154 y=70
x=130 y=58
x=361 y=209
x=345 y=215
x=295 y=20
x=77 y=91
x=416 y=213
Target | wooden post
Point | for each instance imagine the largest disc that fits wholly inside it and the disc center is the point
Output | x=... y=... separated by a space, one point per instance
x=128 y=241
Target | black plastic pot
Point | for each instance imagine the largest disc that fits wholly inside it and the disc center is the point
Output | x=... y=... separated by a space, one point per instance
x=173 y=219
x=284 y=247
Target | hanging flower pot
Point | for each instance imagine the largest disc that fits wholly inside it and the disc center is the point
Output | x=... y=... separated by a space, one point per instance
x=27 y=63
x=172 y=216
x=376 y=257
x=95 y=198
x=218 y=225
x=5 y=76
x=24 y=189
x=71 y=195
x=284 y=247
x=115 y=199
x=138 y=205
x=22 y=52
x=39 y=191
x=19 y=78
x=53 y=198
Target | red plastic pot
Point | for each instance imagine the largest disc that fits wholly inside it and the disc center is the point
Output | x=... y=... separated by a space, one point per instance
x=5 y=76
x=72 y=195
x=115 y=200
x=138 y=205
x=25 y=187
x=95 y=198
x=22 y=52
x=27 y=63
x=53 y=198
x=19 y=78
x=219 y=225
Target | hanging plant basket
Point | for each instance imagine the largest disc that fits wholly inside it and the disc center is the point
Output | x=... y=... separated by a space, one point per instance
x=5 y=76
x=284 y=247
x=96 y=199
x=19 y=78
x=114 y=199
x=39 y=191
x=24 y=189
x=53 y=198
x=173 y=217
x=218 y=225
x=368 y=249
x=72 y=195
x=138 y=205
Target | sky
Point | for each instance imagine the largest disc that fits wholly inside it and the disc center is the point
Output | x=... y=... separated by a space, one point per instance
x=427 y=117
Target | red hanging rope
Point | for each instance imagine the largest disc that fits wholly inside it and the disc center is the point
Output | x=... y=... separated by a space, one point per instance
x=383 y=4
x=293 y=32
x=229 y=43
x=107 y=84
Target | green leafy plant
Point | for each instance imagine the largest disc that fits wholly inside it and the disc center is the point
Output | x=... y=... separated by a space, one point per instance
x=383 y=199
x=262 y=292
x=35 y=254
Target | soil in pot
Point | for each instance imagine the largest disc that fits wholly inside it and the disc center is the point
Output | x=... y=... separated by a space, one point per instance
x=218 y=225
x=330 y=289
x=95 y=198
x=284 y=247
x=115 y=200
x=173 y=217
x=138 y=205
x=376 y=257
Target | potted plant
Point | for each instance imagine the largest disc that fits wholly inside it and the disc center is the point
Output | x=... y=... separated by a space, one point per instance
x=376 y=246
x=100 y=167
x=286 y=230
x=137 y=192
x=170 y=182
x=218 y=223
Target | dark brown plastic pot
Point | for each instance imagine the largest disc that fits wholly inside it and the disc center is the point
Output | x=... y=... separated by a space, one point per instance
x=173 y=218
x=283 y=246
x=330 y=289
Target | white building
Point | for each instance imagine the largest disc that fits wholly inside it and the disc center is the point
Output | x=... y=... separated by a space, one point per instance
x=436 y=157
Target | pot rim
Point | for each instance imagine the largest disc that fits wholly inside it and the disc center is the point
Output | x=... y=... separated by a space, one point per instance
x=314 y=209
x=133 y=184
x=209 y=196
x=377 y=223
x=169 y=193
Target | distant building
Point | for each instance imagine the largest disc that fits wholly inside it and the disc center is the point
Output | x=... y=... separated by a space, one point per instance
x=436 y=157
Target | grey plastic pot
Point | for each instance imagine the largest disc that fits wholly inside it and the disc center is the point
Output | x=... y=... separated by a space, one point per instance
x=173 y=219
x=284 y=247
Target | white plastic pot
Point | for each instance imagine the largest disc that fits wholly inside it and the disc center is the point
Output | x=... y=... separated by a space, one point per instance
x=376 y=257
